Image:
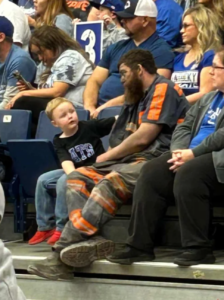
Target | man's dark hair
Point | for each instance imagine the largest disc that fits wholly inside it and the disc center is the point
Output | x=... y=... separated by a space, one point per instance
x=136 y=57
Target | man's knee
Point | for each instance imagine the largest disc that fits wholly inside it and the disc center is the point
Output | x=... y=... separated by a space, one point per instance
x=186 y=182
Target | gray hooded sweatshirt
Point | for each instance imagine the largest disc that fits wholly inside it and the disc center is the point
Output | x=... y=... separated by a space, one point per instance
x=9 y=289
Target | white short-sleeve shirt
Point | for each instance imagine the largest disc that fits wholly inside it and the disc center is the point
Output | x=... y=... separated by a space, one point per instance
x=19 y=20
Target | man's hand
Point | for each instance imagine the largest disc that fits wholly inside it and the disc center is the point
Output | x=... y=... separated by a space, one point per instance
x=179 y=157
x=95 y=114
x=91 y=109
x=102 y=158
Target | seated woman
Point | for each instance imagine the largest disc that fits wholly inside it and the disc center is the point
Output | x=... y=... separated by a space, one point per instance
x=63 y=71
x=191 y=68
x=51 y=12
x=217 y=6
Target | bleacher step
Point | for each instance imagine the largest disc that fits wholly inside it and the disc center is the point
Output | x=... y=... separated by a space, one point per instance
x=112 y=289
x=162 y=267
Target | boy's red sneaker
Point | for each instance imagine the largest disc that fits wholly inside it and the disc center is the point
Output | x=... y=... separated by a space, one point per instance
x=41 y=236
x=54 y=238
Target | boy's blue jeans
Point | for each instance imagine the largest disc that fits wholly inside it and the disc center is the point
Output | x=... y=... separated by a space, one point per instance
x=51 y=213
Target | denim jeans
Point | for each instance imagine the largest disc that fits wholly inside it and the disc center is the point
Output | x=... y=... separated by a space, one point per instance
x=51 y=213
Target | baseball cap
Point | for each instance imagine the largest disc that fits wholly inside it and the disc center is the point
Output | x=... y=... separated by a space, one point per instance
x=6 y=27
x=138 y=8
x=115 y=5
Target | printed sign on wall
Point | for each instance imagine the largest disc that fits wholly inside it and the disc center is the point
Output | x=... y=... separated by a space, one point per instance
x=90 y=37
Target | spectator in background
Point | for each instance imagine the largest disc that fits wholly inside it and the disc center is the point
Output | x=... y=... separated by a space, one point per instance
x=217 y=6
x=51 y=12
x=113 y=31
x=63 y=71
x=26 y=3
x=191 y=68
x=192 y=173
x=169 y=20
x=104 y=88
x=12 y=58
x=11 y=11
x=185 y=4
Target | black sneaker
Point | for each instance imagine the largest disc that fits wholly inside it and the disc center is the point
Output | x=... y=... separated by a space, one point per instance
x=82 y=254
x=195 y=257
x=128 y=255
x=52 y=268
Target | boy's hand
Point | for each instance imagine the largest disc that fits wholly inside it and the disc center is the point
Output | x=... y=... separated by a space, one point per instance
x=76 y=21
x=107 y=20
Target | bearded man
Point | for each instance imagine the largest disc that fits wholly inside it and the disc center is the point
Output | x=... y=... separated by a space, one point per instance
x=153 y=106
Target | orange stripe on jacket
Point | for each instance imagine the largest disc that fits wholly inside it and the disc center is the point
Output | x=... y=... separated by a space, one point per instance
x=78 y=186
x=179 y=90
x=90 y=173
x=108 y=204
x=140 y=117
x=180 y=121
x=157 y=101
x=80 y=223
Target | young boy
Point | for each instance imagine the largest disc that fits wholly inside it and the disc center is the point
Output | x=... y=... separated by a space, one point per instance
x=78 y=145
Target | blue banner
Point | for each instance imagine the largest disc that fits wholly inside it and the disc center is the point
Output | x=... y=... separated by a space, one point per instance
x=90 y=37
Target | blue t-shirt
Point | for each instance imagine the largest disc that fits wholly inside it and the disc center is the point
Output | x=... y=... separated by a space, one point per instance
x=188 y=78
x=112 y=86
x=209 y=122
x=20 y=60
x=169 y=21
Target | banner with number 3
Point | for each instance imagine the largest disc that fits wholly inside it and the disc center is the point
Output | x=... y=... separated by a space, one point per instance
x=90 y=37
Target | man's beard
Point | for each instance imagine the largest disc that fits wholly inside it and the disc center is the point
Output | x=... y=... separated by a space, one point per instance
x=134 y=92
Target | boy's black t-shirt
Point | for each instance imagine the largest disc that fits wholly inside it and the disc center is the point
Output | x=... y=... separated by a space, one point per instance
x=85 y=145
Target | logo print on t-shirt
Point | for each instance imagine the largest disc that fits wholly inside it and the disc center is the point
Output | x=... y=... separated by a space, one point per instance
x=186 y=79
x=81 y=152
x=213 y=115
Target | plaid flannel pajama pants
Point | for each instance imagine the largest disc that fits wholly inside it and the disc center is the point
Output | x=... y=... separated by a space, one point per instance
x=93 y=197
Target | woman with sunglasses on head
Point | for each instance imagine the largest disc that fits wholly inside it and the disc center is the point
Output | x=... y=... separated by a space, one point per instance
x=191 y=68
x=53 y=13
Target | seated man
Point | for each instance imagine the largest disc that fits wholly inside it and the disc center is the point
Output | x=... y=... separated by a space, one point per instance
x=104 y=84
x=153 y=107
x=14 y=13
x=192 y=173
x=12 y=58
x=8 y=286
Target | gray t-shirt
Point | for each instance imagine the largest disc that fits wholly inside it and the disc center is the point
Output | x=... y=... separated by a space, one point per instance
x=72 y=68
x=64 y=22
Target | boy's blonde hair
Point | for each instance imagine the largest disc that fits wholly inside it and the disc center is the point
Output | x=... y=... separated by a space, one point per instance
x=54 y=104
